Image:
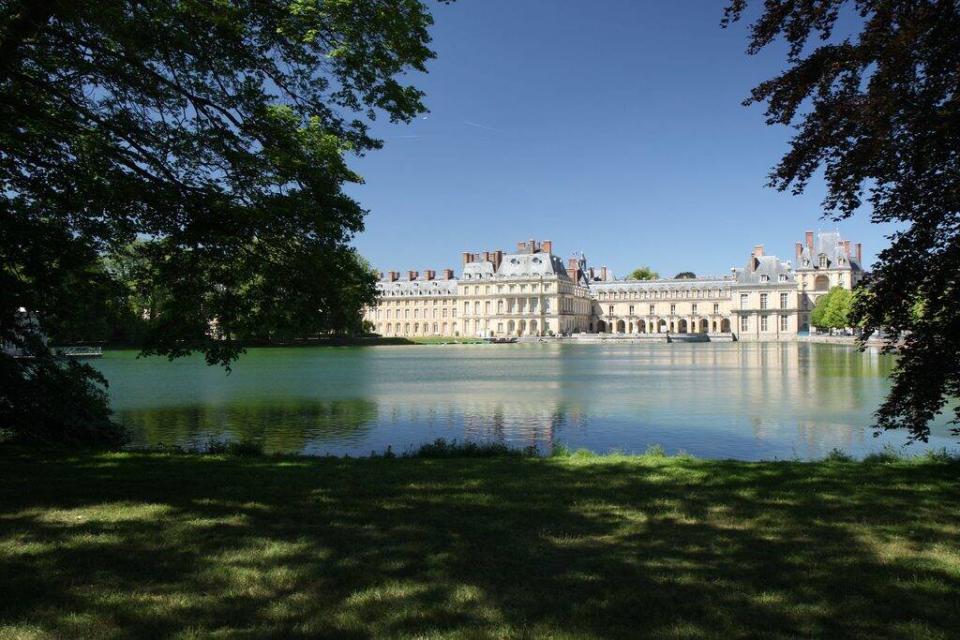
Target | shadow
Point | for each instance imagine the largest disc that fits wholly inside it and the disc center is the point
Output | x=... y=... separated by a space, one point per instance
x=138 y=545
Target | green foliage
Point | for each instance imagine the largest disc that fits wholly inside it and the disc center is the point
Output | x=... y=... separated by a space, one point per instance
x=838 y=455
x=441 y=448
x=833 y=309
x=685 y=275
x=52 y=402
x=643 y=273
x=885 y=456
x=172 y=173
x=875 y=110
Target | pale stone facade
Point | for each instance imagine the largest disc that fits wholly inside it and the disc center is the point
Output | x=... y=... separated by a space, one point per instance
x=532 y=293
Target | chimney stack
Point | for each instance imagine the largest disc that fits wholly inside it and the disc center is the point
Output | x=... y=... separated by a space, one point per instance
x=757 y=251
x=799 y=251
x=860 y=254
x=809 y=239
x=466 y=257
x=412 y=275
x=497 y=259
x=393 y=276
x=603 y=274
x=448 y=274
x=547 y=246
x=430 y=274
x=846 y=248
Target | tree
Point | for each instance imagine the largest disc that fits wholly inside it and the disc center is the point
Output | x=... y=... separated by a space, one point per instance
x=877 y=110
x=685 y=275
x=643 y=273
x=217 y=132
x=833 y=309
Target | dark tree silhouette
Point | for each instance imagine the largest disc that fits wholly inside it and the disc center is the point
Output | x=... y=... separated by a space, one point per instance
x=217 y=131
x=878 y=110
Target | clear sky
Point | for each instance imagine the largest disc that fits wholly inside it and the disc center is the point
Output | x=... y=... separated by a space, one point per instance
x=614 y=128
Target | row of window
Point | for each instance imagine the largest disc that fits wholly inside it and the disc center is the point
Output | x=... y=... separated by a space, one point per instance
x=510 y=288
x=764 y=301
x=694 y=308
x=387 y=313
x=764 y=323
x=658 y=294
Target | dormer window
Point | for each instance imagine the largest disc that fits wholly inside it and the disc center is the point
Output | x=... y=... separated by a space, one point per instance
x=764 y=278
x=783 y=277
x=823 y=262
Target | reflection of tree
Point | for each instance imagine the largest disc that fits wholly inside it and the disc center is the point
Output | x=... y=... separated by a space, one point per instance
x=282 y=426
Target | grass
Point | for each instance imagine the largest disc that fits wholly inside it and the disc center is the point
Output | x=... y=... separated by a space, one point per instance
x=173 y=545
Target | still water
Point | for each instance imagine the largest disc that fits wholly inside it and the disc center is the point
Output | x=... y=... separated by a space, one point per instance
x=722 y=400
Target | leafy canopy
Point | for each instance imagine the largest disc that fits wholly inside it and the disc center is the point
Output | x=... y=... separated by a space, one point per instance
x=876 y=107
x=215 y=133
x=643 y=273
x=833 y=309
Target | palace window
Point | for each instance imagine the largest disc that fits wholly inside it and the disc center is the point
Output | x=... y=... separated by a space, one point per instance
x=716 y=308
x=631 y=309
x=763 y=301
x=694 y=307
x=784 y=320
x=673 y=309
x=743 y=300
x=763 y=323
x=783 y=300
x=764 y=278
x=744 y=323
x=823 y=262
x=651 y=309
x=611 y=309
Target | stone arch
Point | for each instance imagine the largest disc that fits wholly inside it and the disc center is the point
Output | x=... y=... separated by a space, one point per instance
x=521 y=327
x=662 y=326
x=511 y=327
x=601 y=326
x=682 y=326
x=621 y=326
x=821 y=283
x=704 y=326
x=725 y=325
x=533 y=328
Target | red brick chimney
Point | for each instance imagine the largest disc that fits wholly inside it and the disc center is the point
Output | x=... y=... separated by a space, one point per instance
x=412 y=275
x=757 y=251
x=448 y=274
x=497 y=259
x=799 y=251
x=430 y=274
x=466 y=257
x=547 y=246
x=810 y=242
x=521 y=247
x=846 y=248
x=859 y=254
x=393 y=275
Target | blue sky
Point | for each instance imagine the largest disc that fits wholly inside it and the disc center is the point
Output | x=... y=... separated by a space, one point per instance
x=614 y=128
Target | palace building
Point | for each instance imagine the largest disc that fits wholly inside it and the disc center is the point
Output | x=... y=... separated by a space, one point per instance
x=531 y=292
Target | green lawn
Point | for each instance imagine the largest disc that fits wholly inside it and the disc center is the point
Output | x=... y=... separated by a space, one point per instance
x=187 y=546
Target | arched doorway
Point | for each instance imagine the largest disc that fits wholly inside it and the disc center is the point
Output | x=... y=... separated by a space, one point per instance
x=521 y=327
x=662 y=326
x=641 y=327
x=601 y=326
x=511 y=327
x=725 y=326
x=621 y=326
x=682 y=326
x=821 y=283
x=533 y=328
x=704 y=326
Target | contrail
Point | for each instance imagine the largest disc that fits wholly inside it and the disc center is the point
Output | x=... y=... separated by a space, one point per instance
x=481 y=126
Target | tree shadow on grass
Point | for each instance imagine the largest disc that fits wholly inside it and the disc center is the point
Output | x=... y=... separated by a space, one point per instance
x=155 y=546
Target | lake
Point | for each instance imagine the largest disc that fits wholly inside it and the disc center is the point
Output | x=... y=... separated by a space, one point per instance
x=719 y=400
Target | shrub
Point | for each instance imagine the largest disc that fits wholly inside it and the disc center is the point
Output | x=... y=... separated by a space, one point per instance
x=441 y=448
x=655 y=451
x=886 y=455
x=838 y=455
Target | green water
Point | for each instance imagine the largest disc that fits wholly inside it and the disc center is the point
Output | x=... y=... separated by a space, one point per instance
x=745 y=401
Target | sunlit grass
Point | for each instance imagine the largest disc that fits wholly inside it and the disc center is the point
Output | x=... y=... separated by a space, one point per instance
x=572 y=546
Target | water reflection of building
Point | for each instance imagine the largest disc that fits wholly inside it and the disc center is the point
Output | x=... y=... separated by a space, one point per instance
x=532 y=292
